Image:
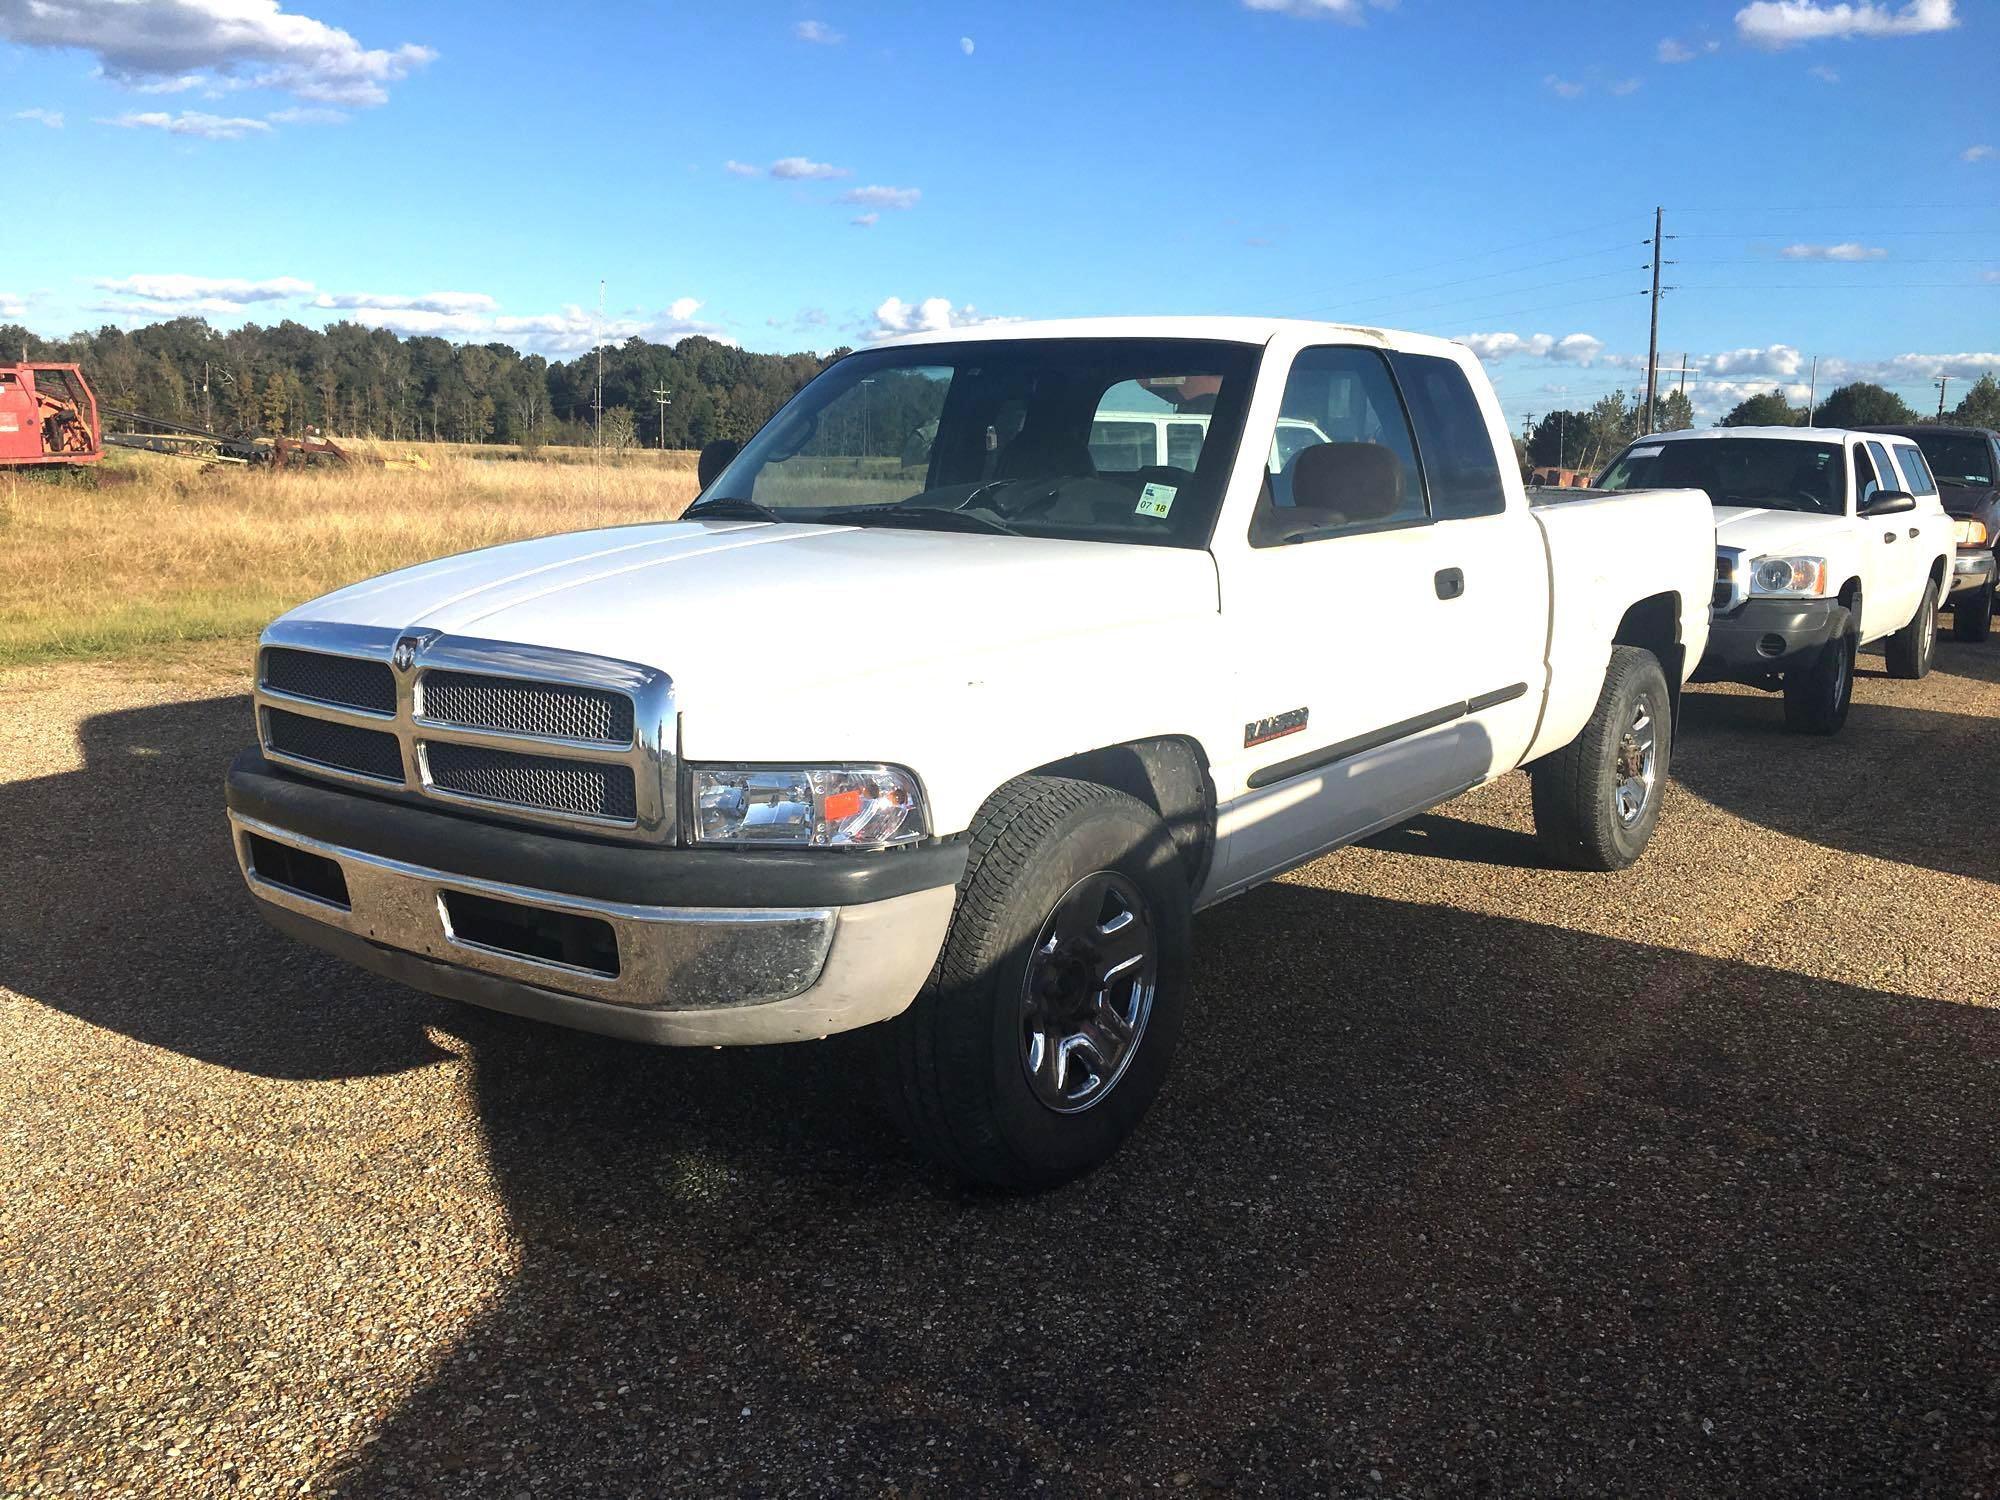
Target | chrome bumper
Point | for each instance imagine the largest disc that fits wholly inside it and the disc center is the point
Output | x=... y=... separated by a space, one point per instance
x=1972 y=569
x=680 y=975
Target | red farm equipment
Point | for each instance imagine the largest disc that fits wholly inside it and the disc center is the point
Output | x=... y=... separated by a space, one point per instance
x=48 y=417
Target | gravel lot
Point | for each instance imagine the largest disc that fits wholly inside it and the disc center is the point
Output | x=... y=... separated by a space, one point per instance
x=1471 y=1177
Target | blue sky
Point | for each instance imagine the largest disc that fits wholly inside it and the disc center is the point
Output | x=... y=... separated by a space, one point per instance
x=802 y=175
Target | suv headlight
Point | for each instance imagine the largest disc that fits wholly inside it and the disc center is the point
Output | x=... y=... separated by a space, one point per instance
x=1971 y=533
x=1788 y=577
x=850 y=807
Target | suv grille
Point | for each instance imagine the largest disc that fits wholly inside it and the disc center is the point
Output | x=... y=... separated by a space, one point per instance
x=520 y=706
x=345 y=680
x=583 y=788
x=1725 y=583
x=365 y=752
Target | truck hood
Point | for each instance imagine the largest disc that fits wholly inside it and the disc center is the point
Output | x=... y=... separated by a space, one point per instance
x=1764 y=532
x=720 y=603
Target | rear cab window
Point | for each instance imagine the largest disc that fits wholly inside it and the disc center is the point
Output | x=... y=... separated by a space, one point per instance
x=1916 y=473
x=1461 y=471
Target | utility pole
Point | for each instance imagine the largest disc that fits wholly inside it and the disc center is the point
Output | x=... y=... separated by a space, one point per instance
x=1812 y=391
x=1562 y=437
x=1941 y=382
x=666 y=398
x=1653 y=339
x=1684 y=374
x=599 y=457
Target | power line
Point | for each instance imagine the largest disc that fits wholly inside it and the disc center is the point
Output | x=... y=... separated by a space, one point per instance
x=1533 y=265
x=1533 y=286
x=1459 y=260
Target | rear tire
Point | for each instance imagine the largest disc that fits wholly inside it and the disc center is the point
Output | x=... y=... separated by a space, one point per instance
x=1817 y=697
x=1024 y=1063
x=1597 y=799
x=1911 y=650
x=1972 y=615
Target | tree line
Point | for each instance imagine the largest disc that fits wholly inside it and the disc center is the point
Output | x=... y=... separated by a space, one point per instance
x=356 y=381
x=1586 y=440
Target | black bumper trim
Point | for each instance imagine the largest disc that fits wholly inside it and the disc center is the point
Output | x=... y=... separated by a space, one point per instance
x=581 y=866
x=1802 y=626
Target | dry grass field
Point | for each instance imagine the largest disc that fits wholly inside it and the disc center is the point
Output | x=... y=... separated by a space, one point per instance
x=161 y=550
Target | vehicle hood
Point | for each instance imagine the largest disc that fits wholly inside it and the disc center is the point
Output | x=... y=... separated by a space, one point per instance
x=728 y=603
x=1761 y=532
x=1962 y=500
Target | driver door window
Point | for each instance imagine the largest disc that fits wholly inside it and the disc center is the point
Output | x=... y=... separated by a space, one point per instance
x=1352 y=465
x=1865 y=482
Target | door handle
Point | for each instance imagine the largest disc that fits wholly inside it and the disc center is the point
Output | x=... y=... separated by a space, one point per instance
x=1449 y=582
x=1888 y=536
x=1914 y=533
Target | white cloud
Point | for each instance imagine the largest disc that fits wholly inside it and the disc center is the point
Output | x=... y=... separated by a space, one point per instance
x=805 y=169
x=1970 y=153
x=1784 y=23
x=1777 y=359
x=53 y=118
x=741 y=168
x=932 y=315
x=311 y=114
x=865 y=221
x=1570 y=349
x=965 y=45
x=228 y=43
x=1623 y=86
x=227 y=290
x=681 y=309
x=192 y=122
x=435 y=302
x=818 y=32
x=1348 y=12
x=1563 y=87
x=1823 y=73
x=417 y=320
x=1845 y=251
x=1927 y=367
x=13 y=306
x=1672 y=51
x=574 y=330
x=882 y=197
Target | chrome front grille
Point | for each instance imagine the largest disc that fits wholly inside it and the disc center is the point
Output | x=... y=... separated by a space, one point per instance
x=542 y=781
x=548 y=710
x=1732 y=582
x=524 y=732
x=346 y=680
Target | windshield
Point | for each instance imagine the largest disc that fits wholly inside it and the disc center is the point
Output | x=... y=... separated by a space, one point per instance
x=1044 y=437
x=1771 y=473
x=1957 y=457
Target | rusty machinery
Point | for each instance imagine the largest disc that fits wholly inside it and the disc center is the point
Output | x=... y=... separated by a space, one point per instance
x=48 y=417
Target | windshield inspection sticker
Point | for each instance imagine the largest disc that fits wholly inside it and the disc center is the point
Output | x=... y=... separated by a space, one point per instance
x=1156 y=500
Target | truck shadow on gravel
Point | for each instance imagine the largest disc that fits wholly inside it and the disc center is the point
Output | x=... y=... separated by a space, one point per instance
x=1470 y=1202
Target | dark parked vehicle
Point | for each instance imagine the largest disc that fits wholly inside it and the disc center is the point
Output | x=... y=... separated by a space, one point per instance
x=1966 y=461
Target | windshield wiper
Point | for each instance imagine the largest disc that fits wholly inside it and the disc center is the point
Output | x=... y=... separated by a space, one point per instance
x=925 y=516
x=730 y=506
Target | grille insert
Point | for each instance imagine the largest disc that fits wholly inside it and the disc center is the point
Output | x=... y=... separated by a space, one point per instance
x=535 y=933
x=521 y=706
x=1725 y=584
x=365 y=752
x=345 y=680
x=582 y=788
x=298 y=870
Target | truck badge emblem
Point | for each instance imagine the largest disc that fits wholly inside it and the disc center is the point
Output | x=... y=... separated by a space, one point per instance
x=405 y=656
x=1276 y=727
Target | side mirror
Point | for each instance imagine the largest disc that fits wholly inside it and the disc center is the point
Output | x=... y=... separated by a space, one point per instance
x=714 y=459
x=1888 y=503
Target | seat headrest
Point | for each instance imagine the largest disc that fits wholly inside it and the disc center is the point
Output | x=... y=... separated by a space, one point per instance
x=1037 y=453
x=1362 y=482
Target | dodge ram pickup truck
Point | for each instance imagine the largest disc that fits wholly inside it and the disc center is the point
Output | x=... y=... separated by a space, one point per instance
x=1821 y=547
x=1965 y=463
x=920 y=717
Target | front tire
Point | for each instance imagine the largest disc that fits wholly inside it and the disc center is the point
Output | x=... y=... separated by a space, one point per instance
x=1817 y=697
x=1972 y=615
x=1597 y=799
x=1048 y=1024
x=1911 y=650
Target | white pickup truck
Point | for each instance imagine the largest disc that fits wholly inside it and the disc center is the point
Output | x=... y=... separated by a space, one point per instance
x=1826 y=540
x=920 y=717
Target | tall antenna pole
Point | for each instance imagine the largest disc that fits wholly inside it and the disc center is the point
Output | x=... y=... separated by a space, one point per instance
x=1812 y=391
x=1941 y=382
x=1653 y=339
x=665 y=397
x=1684 y=373
x=1562 y=437
x=599 y=340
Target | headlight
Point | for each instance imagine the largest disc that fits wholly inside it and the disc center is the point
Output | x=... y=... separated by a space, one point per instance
x=833 y=806
x=1791 y=576
x=1972 y=533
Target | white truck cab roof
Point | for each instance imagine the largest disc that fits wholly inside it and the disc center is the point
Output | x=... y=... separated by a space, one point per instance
x=1227 y=330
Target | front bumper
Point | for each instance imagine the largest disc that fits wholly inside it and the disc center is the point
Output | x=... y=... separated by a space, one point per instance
x=744 y=949
x=1973 y=569
x=1766 y=636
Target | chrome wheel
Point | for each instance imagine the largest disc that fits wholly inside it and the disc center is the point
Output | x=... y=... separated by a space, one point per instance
x=1927 y=643
x=1638 y=762
x=1088 y=992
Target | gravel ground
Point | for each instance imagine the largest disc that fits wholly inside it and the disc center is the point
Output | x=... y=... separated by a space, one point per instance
x=1471 y=1177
